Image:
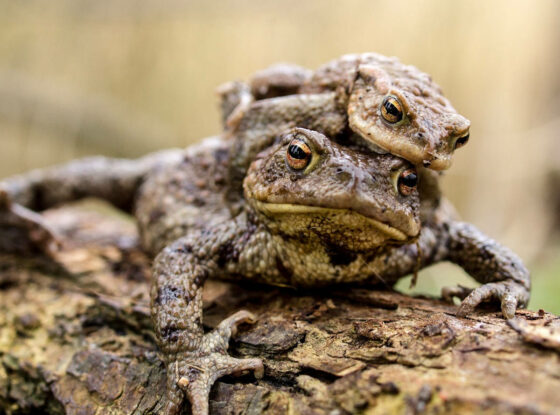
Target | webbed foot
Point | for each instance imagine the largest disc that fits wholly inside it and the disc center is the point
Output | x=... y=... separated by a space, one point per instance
x=23 y=230
x=194 y=372
x=510 y=294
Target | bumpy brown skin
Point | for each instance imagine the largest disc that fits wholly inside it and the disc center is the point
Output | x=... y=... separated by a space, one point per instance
x=431 y=126
x=428 y=136
x=114 y=180
x=278 y=80
x=339 y=220
x=255 y=127
x=219 y=245
x=350 y=90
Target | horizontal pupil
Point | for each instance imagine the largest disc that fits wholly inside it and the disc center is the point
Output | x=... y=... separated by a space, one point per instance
x=392 y=109
x=297 y=152
x=409 y=180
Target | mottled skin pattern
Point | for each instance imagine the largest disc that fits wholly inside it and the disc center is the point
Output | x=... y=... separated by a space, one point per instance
x=257 y=125
x=343 y=99
x=341 y=219
x=278 y=80
x=114 y=180
x=431 y=126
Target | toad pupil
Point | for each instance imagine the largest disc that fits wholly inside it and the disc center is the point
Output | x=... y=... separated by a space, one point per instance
x=297 y=152
x=392 y=109
x=409 y=179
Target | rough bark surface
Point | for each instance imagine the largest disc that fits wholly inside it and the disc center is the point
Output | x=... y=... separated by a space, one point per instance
x=76 y=338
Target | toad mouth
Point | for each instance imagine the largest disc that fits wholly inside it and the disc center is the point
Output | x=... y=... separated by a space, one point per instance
x=288 y=208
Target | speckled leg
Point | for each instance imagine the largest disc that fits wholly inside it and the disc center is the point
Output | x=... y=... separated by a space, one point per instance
x=113 y=180
x=23 y=230
x=235 y=99
x=504 y=276
x=194 y=360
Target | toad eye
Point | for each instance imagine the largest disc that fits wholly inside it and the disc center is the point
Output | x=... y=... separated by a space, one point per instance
x=392 y=109
x=461 y=141
x=407 y=181
x=298 y=154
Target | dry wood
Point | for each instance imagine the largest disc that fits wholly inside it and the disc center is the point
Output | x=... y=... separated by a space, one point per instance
x=76 y=339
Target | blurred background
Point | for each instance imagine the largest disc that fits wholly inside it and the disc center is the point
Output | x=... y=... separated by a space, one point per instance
x=125 y=77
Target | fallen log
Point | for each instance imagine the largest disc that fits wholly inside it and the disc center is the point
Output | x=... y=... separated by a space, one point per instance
x=76 y=338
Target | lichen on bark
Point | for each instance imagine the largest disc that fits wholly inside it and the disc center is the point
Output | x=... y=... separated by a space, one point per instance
x=75 y=337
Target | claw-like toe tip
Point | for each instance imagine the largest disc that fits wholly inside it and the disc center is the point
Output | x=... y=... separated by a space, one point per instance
x=509 y=305
x=259 y=370
x=183 y=383
x=508 y=313
x=251 y=319
x=463 y=311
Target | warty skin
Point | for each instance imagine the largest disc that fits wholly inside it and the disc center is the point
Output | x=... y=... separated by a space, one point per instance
x=323 y=228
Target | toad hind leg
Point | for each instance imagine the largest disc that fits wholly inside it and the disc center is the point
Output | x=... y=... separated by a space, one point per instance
x=113 y=180
x=194 y=360
x=23 y=230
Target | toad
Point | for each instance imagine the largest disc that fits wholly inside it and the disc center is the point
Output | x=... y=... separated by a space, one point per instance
x=313 y=213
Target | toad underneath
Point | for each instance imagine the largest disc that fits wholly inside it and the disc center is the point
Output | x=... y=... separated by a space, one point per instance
x=311 y=212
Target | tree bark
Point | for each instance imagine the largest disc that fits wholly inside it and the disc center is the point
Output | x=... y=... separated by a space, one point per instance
x=76 y=338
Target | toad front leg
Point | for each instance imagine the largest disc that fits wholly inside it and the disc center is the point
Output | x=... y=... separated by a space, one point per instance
x=195 y=360
x=503 y=274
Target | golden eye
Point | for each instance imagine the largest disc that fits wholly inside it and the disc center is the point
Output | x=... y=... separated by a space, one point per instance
x=391 y=109
x=461 y=141
x=298 y=154
x=407 y=181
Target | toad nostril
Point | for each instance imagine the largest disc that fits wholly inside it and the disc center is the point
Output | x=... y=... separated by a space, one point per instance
x=460 y=141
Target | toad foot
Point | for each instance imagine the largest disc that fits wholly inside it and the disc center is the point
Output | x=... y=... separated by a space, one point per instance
x=509 y=293
x=193 y=373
